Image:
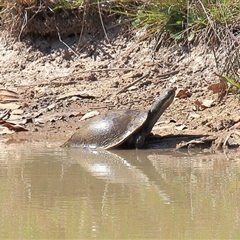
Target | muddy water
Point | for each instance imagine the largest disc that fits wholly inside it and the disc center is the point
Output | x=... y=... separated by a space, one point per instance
x=49 y=192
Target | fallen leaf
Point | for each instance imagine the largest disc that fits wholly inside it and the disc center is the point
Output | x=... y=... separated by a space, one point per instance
x=183 y=94
x=76 y=115
x=198 y=106
x=13 y=127
x=7 y=96
x=215 y=87
x=89 y=115
x=207 y=103
x=221 y=88
x=201 y=105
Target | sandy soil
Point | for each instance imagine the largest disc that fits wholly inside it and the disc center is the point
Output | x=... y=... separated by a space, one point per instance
x=58 y=82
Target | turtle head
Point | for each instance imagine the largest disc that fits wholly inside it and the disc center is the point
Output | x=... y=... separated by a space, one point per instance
x=162 y=102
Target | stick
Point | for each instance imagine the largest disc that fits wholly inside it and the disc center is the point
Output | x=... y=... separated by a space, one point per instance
x=131 y=84
x=51 y=81
x=159 y=76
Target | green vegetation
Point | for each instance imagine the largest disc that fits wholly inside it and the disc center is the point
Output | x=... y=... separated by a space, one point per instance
x=183 y=19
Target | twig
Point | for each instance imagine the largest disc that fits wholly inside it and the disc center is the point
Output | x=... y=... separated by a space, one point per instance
x=209 y=20
x=83 y=20
x=52 y=81
x=226 y=140
x=60 y=39
x=133 y=83
x=25 y=20
x=94 y=70
x=100 y=16
x=233 y=37
x=168 y=74
x=47 y=83
x=56 y=83
x=159 y=76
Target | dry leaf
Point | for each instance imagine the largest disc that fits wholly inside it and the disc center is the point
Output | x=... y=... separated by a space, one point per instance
x=215 y=87
x=221 y=88
x=77 y=115
x=224 y=89
x=13 y=127
x=89 y=115
x=201 y=105
x=7 y=96
x=207 y=103
x=183 y=94
x=198 y=105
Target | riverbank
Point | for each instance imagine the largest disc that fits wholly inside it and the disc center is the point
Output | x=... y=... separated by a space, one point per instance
x=55 y=85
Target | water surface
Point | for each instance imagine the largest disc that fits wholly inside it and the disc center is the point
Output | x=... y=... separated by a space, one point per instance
x=49 y=192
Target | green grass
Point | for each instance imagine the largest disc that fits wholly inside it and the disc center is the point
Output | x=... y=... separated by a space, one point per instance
x=212 y=22
x=180 y=18
x=183 y=19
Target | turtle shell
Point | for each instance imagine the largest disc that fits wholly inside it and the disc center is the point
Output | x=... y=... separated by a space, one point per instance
x=107 y=130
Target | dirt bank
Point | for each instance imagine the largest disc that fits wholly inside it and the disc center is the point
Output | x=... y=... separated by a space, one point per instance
x=57 y=82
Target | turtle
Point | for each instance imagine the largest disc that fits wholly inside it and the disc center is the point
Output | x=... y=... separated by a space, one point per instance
x=120 y=128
